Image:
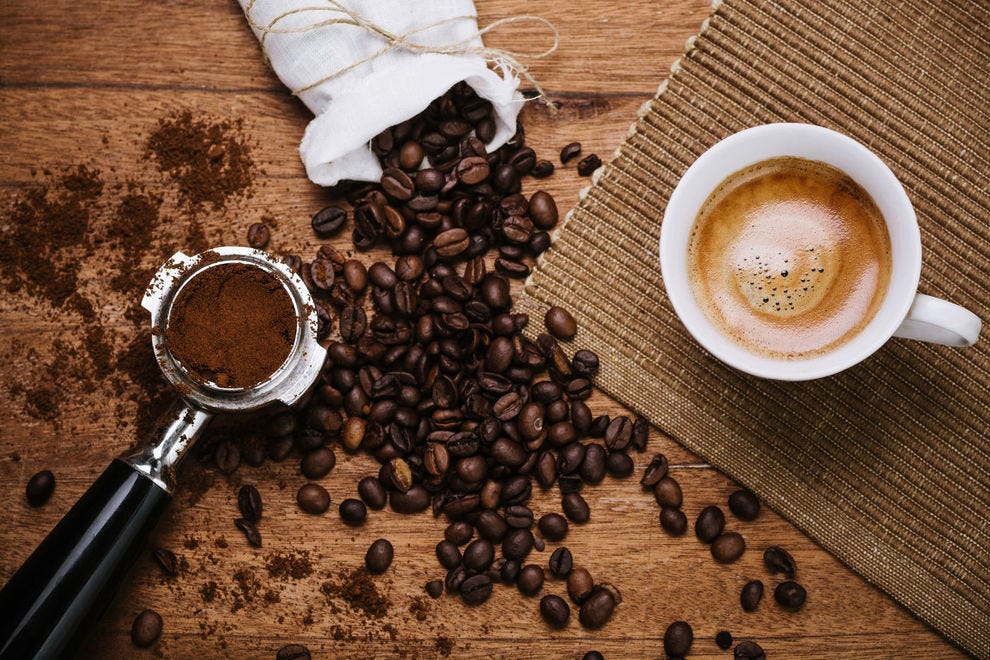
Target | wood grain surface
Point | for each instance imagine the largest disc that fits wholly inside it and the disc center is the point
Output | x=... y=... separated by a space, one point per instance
x=86 y=83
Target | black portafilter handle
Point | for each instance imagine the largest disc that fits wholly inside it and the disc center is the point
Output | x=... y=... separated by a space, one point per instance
x=70 y=579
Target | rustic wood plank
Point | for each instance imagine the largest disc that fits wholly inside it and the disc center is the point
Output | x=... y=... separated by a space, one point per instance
x=85 y=84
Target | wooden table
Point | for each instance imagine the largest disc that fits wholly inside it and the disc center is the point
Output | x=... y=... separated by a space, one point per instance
x=85 y=83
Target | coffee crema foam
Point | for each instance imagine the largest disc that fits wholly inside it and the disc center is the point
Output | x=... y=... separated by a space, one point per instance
x=790 y=258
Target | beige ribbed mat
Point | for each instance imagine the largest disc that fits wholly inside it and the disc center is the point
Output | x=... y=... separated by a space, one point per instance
x=888 y=464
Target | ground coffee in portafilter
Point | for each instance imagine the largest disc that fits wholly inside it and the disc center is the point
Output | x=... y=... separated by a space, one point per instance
x=233 y=324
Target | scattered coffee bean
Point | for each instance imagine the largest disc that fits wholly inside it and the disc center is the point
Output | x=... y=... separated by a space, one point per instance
x=553 y=526
x=329 y=221
x=655 y=470
x=434 y=588
x=744 y=504
x=478 y=554
x=249 y=503
x=458 y=532
x=258 y=235
x=728 y=547
x=543 y=210
x=589 y=164
x=448 y=554
x=560 y=323
x=40 y=487
x=476 y=589
x=790 y=595
x=318 y=463
x=593 y=655
x=293 y=652
x=678 y=638
x=710 y=523
x=379 y=556
x=227 y=456
x=751 y=595
x=673 y=521
x=748 y=651
x=619 y=464
x=570 y=151
x=542 y=169
x=353 y=511
x=372 y=492
x=579 y=584
x=597 y=609
x=530 y=580
x=555 y=610
x=251 y=532
x=146 y=629
x=575 y=508
x=723 y=639
x=667 y=492
x=313 y=498
x=167 y=561
x=778 y=560
x=560 y=563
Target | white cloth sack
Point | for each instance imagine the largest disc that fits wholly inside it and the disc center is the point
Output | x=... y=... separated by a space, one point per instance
x=357 y=105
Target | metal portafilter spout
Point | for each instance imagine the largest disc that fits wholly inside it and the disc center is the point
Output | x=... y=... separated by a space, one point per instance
x=70 y=578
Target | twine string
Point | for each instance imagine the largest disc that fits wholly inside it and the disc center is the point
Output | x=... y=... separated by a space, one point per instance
x=505 y=60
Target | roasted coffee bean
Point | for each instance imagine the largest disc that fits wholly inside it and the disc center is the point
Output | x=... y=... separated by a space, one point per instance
x=641 y=433
x=318 y=463
x=728 y=547
x=710 y=523
x=509 y=569
x=249 y=503
x=353 y=323
x=555 y=611
x=428 y=181
x=451 y=242
x=560 y=323
x=575 y=508
x=570 y=457
x=546 y=469
x=458 y=532
x=723 y=639
x=570 y=151
x=561 y=433
x=599 y=425
x=538 y=243
x=581 y=416
x=382 y=275
x=619 y=464
x=39 y=488
x=530 y=580
x=518 y=516
x=517 y=544
x=617 y=437
x=280 y=448
x=505 y=179
x=744 y=505
x=543 y=210
x=166 y=560
x=667 y=492
x=397 y=184
x=752 y=593
x=655 y=470
x=592 y=468
x=357 y=432
x=411 y=155
x=584 y=363
x=478 y=555
x=355 y=275
x=579 y=389
x=542 y=169
x=293 y=652
x=678 y=638
x=507 y=406
x=258 y=235
x=434 y=588
x=414 y=500
x=593 y=655
x=227 y=457
x=146 y=629
x=553 y=526
x=476 y=589
x=515 y=229
x=514 y=269
x=748 y=651
x=673 y=521
x=597 y=609
x=778 y=560
x=524 y=160
x=313 y=498
x=589 y=164
x=560 y=563
x=353 y=511
x=379 y=556
x=396 y=475
x=250 y=532
x=329 y=221
x=473 y=170
x=372 y=492
x=455 y=578
x=790 y=595
x=448 y=554
x=579 y=584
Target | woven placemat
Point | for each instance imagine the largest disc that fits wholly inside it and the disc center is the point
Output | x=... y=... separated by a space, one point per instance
x=888 y=464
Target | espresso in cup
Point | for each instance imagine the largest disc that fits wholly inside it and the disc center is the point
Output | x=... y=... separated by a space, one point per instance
x=790 y=258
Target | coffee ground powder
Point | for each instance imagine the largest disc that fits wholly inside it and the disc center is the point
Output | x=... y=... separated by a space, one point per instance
x=233 y=324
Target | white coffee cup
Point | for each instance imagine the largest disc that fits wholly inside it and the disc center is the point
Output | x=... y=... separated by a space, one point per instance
x=903 y=312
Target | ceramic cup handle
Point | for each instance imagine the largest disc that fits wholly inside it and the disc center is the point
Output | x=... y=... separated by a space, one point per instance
x=938 y=321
